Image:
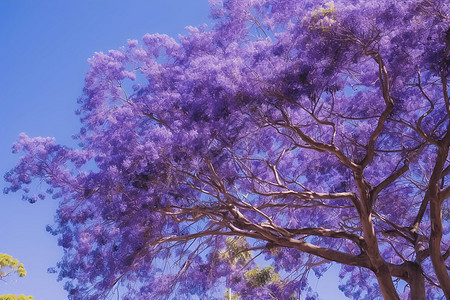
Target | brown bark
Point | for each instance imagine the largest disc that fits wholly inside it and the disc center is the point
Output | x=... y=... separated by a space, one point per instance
x=367 y=198
x=416 y=283
x=380 y=267
x=436 y=217
x=411 y=272
x=385 y=282
x=435 y=248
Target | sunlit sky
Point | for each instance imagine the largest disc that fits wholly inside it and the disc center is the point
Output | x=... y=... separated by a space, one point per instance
x=44 y=47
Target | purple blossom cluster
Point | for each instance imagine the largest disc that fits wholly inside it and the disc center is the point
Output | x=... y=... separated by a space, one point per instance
x=317 y=131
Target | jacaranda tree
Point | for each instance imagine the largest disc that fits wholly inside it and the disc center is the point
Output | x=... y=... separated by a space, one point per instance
x=296 y=132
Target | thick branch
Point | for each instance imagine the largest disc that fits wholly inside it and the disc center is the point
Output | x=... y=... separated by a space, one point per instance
x=421 y=212
x=444 y=194
x=313 y=195
x=413 y=275
x=323 y=232
x=436 y=216
x=445 y=93
x=360 y=260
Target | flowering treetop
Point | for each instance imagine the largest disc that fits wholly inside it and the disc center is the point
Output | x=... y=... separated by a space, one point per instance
x=299 y=131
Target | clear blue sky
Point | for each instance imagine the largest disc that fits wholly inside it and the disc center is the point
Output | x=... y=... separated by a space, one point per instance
x=44 y=46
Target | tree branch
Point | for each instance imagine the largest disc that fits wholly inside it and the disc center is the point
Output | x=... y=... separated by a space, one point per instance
x=384 y=81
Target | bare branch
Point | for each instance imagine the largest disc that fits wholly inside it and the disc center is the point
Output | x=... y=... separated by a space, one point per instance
x=396 y=174
x=384 y=81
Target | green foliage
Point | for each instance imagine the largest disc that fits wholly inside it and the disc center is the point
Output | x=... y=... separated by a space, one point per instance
x=234 y=296
x=15 y=297
x=260 y=277
x=323 y=18
x=9 y=265
x=236 y=251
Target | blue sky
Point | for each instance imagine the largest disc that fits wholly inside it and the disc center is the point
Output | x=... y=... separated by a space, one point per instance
x=44 y=47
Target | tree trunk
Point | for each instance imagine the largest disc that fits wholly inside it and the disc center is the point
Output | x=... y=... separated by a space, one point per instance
x=386 y=284
x=411 y=272
x=416 y=282
x=436 y=217
x=380 y=267
x=435 y=247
